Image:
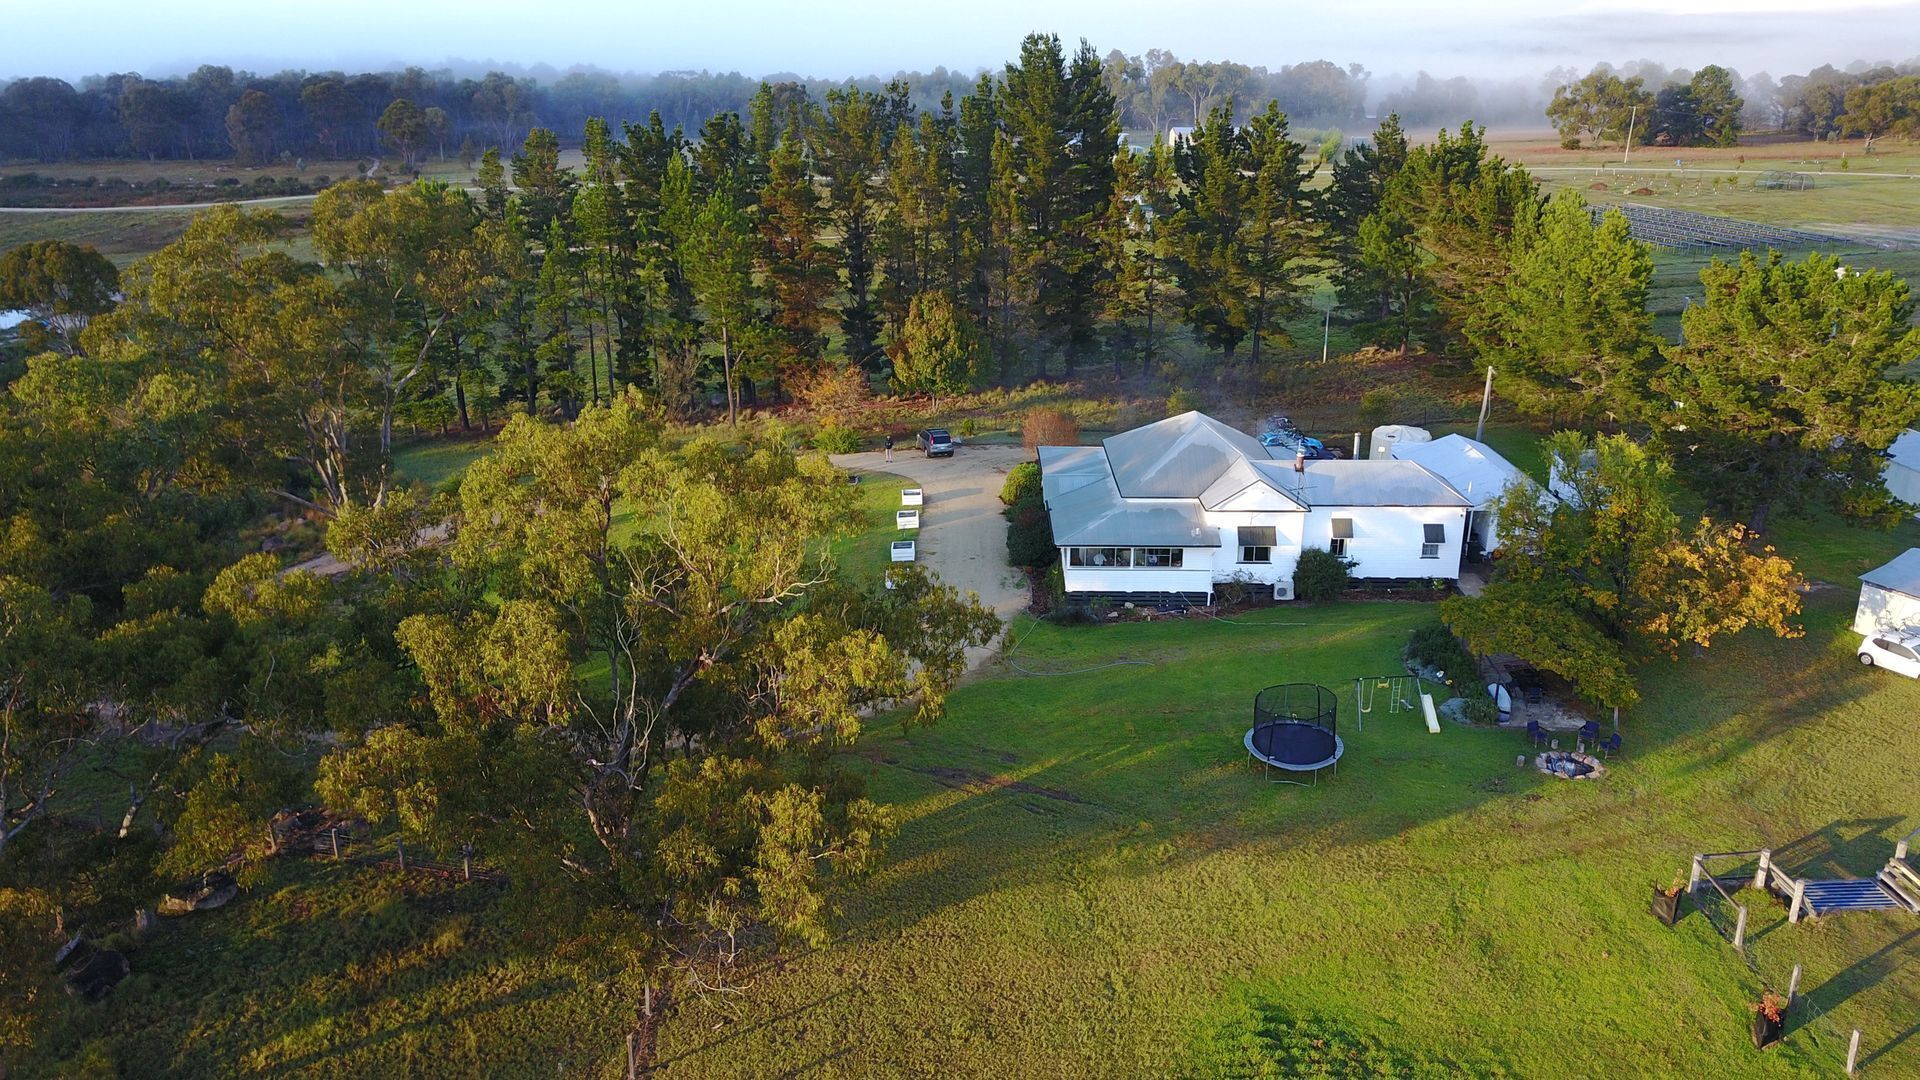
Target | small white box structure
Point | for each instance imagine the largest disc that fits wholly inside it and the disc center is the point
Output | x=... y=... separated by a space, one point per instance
x=906 y=519
x=912 y=497
x=903 y=551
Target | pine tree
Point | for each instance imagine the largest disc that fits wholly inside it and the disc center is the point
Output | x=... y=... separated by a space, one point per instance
x=795 y=265
x=1212 y=167
x=848 y=152
x=1277 y=234
x=938 y=350
x=1575 y=338
x=719 y=264
x=1358 y=189
x=1092 y=130
x=555 y=303
x=1780 y=395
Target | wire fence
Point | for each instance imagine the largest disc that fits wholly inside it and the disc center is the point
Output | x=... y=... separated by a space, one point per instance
x=1730 y=890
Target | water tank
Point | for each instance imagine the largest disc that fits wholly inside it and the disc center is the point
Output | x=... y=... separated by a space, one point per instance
x=1386 y=435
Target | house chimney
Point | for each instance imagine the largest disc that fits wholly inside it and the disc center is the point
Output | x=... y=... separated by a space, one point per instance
x=1300 y=461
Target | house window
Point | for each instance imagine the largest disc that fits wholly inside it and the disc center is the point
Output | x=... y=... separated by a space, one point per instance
x=1158 y=558
x=1342 y=532
x=1435 y=536
x=1106 y=558
x=1256 y=543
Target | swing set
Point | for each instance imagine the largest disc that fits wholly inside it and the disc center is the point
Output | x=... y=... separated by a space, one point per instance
x=1404 y=693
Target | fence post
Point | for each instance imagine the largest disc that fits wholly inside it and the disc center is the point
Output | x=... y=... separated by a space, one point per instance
x=334 y=833
x=1740 y=929
x=1693 y=877
x=1760 y=874
x=400 y=849
x=1799 y=898
x=466 y=863
x=1793 y=987
x=632 y=1072
x=1853 y=1052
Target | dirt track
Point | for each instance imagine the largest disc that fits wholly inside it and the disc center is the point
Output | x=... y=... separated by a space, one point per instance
x=962 y=536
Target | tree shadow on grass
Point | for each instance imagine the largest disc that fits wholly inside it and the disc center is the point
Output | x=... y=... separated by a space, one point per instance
x=529 y=994
x=1864 y=974
x=736 y=1031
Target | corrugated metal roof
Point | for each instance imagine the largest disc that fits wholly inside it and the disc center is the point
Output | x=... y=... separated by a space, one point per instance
x=1373 y=482
x=1902 y=575
x=1906 y=449
x=1241 y=488
x=1179 y=457
x=1087 y=510
x=1474 y=469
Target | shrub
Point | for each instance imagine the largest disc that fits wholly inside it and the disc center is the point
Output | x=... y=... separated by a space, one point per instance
x=1182 y=400
x=835 y=439
x=1434 y=646
x=1477 y=708
x=1030 y=534
x=834 y=394
x=1071 y=615
x=939 y=351
x=1049 y=427
x=1023 y=482
x=1319 y=575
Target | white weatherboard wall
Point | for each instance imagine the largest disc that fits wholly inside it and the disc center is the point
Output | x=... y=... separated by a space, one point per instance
x=1117 y=579
x=1885 y=609
x=1386 y=539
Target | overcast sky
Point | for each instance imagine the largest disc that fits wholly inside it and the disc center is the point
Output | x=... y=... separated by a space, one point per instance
x=71 y=38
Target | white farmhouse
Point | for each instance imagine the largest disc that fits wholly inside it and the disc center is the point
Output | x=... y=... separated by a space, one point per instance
x=1903 y=468
x=1890 y=596
x=1477 y=472
x=1178 y=506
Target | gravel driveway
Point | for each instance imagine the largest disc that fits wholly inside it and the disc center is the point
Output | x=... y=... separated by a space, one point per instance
x=962 y=536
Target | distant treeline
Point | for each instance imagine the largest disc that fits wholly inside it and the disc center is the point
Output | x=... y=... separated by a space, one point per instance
x=217 y=112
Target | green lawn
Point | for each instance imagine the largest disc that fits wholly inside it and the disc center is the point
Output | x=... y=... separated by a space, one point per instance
x=1088 y=882
x=866 y=554
x=437 y=462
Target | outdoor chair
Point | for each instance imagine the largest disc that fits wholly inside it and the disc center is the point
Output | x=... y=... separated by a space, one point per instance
x=1590 y=731
x=1536 y=733
x=1535 y=694
x=1611 y=744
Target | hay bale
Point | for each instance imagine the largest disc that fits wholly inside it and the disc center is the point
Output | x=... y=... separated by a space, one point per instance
x=1643 y=191
x=1598 y=185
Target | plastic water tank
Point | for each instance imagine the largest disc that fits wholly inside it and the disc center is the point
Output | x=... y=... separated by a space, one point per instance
x=1386 y=435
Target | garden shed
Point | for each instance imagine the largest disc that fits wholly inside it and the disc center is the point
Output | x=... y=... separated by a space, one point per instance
x=1890 y=595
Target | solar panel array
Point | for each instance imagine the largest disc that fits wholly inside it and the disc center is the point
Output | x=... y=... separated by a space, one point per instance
x=1685 y=229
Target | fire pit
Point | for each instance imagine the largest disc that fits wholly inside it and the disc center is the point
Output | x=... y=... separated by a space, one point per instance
x=1570 y=765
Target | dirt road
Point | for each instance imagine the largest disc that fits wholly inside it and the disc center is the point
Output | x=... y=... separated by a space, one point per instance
x=962 y=536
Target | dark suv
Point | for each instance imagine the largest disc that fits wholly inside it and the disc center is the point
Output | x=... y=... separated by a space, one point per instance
x=934 y=442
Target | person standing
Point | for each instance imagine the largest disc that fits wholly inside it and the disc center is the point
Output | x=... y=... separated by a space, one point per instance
x=889 y=446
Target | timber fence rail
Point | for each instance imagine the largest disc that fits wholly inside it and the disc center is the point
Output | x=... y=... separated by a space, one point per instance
x=1768 y=955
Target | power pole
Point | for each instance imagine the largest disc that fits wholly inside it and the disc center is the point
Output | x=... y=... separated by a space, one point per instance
x=1626 y=155
x=1486 y=400
x=1326 y=334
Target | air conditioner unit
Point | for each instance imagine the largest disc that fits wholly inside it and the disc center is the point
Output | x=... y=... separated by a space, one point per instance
x=1283 y=590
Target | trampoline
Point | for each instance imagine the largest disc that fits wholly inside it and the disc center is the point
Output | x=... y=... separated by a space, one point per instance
x=1294 y=731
